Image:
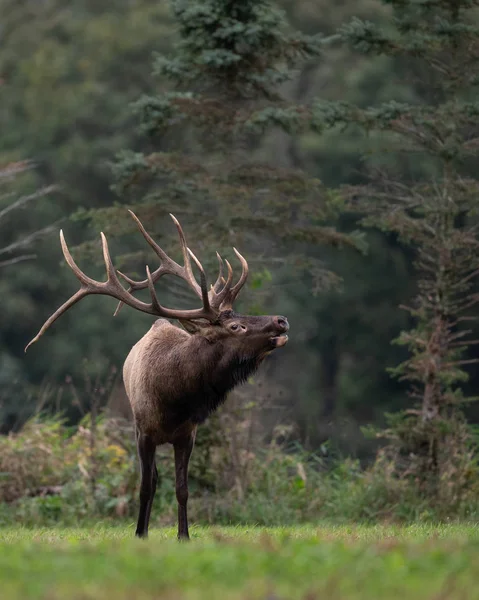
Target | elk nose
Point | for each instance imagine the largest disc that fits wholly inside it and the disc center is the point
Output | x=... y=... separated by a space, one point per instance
x=281 y=323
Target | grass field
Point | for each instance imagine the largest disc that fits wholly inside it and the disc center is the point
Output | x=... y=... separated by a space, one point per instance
x=323 y=562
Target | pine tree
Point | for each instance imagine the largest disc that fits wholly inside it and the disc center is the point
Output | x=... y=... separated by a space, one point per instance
x=205 y=161
x=432 y=208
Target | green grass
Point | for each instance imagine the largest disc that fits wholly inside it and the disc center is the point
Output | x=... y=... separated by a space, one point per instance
x=329 y=562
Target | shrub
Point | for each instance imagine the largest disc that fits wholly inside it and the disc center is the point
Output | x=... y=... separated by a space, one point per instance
x=52 y=473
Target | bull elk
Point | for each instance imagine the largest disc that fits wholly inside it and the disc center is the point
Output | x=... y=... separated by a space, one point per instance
x=175 y=377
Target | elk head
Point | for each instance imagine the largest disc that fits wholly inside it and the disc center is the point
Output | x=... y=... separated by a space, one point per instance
x=215 y=321
x=246 y=335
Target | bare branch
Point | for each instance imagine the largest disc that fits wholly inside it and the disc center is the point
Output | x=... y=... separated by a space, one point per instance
x=28 y=240
x=17 y=259
x=21 y=202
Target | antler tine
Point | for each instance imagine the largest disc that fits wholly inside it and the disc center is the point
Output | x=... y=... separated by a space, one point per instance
x=186 y=257
x=204 y=289
x=133 y=286
x=151 y=286
x=85 y=281
x=235 y=290
x=126 y=278
x=216 y=287
x=157 y=249
x=168 y=265
x=63 y=308
x=218 y=297
x=112 y=279
x=88 y=285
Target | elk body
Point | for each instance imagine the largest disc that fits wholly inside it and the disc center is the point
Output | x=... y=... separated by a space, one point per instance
x=175 y=377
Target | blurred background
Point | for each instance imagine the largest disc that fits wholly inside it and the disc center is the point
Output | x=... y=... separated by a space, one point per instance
x=88 y=130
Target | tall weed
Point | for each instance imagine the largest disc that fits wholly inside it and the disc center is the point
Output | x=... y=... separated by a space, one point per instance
x=51 y=473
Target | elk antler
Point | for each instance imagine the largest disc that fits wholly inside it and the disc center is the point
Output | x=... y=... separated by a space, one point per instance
x=168 y=265
x=112 y=287
x=223 y=299
x=219 y=298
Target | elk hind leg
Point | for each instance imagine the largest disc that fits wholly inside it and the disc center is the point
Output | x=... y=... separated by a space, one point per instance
x=153 y=491
x=183 y=448
x=149 y=477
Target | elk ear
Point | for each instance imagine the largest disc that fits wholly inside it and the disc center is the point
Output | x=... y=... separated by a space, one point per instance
x=193 y=327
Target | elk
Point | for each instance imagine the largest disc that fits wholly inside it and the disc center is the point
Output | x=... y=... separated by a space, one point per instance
x=175 y=377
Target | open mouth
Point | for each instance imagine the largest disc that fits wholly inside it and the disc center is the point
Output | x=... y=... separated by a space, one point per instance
x=279 y=340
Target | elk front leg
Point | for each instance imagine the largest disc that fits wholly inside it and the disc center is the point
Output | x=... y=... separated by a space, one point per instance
x=183 y=448
x=149 y=477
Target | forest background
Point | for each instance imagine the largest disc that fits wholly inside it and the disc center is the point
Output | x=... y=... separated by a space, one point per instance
x=126 y=104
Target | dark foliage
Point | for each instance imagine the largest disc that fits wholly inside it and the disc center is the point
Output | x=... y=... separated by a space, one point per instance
x=436 y=215
x=204 y=157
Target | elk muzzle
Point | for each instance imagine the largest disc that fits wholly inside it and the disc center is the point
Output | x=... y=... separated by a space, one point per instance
x=280 y=327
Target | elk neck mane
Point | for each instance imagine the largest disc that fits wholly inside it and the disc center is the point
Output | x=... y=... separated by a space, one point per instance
x=207 y=370
x=225 y=369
